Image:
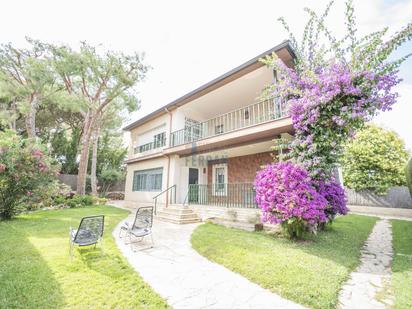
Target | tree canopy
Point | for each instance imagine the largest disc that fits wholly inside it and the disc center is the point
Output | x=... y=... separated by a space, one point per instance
x=375 y=160
x=102 y=82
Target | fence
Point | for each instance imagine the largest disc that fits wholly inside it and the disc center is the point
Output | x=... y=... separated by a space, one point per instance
x=71 y=181
x=397 y=197
x=237 y=195
x=242 y=195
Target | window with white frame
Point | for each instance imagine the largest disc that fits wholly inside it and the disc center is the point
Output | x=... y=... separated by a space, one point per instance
x=159 y=140
x=193 y=130
x=219 y=179
x=148 y=180
x=219 y=129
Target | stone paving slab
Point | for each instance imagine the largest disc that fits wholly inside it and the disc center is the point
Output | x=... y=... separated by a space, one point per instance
x=368 y=286
x=188 y=280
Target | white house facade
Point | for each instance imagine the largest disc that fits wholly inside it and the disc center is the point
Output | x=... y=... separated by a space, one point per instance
x=205 y=147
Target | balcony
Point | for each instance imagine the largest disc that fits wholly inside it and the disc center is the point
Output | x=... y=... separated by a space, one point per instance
x=258 y=113
x=150 y=146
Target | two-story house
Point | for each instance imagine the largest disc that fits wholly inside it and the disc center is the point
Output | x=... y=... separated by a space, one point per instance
x=206 y=146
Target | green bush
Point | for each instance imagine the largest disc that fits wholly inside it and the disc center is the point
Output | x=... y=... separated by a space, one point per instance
x=408 y=173
x=375 y=160
x=101 y=201
x=46 y=196
x=109 y=177
x=80 y=201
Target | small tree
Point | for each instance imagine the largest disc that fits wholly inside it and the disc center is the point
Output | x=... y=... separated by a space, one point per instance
x=375 y=160
x=109 y=177
x=23 y=168
x=409 y=175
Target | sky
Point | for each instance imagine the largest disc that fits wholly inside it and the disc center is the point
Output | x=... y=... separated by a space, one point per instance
x=187 y=43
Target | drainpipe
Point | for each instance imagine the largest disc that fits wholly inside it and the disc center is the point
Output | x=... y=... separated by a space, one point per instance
x=168 y=158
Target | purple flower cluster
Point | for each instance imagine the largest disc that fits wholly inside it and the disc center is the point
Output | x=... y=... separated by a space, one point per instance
x=333 y=192
x=285 y=191
x=327 y=105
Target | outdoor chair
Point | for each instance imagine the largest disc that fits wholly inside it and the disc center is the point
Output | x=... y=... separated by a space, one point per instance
x=141 y=227
x=90 y=232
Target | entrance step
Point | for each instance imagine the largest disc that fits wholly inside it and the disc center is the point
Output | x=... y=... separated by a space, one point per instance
x=178 y=214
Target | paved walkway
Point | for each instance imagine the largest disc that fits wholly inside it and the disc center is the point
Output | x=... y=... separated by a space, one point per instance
x=368 y=286
x=188 y=280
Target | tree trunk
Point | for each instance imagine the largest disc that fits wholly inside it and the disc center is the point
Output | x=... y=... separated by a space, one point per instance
x=84 y=154
x=93 y=176
x=30 y=120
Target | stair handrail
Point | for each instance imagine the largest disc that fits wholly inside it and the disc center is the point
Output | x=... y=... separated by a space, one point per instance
x=167 y=200
x=187 y=195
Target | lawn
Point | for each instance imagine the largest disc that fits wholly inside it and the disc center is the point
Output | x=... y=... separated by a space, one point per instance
x=36 y=271
x=402 y=263
x=308 y=272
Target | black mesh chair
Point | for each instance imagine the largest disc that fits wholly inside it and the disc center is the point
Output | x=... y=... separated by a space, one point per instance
x=141 y=227
x=90 y=232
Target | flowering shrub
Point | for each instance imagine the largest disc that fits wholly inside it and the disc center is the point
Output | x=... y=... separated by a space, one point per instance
x=336 y=85
x=23 y=168
x=333 y=192
x=327 y=106
x=286 y=195
x=45 y=196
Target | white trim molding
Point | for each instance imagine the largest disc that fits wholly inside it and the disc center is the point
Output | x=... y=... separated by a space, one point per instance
x=217 y=191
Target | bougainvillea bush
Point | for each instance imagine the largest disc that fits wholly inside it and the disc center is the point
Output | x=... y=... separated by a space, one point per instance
x=334 y=194
x=287 y=196
x=335 y=86
x=24 y=167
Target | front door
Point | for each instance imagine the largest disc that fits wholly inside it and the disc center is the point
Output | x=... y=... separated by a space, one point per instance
x=193 y=180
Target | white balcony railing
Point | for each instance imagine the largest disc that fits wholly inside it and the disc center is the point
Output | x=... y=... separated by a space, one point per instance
x=256 y=113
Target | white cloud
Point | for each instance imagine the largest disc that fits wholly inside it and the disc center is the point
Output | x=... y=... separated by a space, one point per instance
x=187 y=42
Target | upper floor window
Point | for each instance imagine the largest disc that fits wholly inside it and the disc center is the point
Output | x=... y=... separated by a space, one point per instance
x=159 y=140
x=148 y=180
x=193 y=130
x=219 y=129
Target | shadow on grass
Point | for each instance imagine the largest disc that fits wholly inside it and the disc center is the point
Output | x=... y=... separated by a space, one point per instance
x=26 y=279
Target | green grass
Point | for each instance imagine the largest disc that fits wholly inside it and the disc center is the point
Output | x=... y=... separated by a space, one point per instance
x=36 y=271
x=308 y=272
x=402 y=263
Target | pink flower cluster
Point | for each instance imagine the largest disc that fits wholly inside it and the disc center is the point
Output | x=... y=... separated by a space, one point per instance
x=328 y=105
x=285 y=191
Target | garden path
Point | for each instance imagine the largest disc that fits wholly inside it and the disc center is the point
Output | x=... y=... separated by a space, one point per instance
x=188 y=280
x=368 y=285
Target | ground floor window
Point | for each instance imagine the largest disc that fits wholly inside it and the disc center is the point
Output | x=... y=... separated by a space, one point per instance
x=148 y=180
x=219 y=179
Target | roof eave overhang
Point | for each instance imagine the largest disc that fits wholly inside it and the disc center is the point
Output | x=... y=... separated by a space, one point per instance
x=241 y=70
